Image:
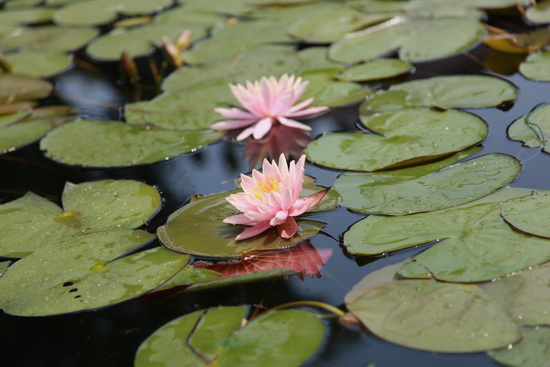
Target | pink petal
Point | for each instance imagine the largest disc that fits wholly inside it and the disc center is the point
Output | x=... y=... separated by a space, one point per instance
x=279 y=218
x=308 y=113
x=303 y=204
x=232 y=124
x=300 y=106
x=253 y=231
x=292 y=123
x=262 y=128
x=288 y=228
x=246 y=133
x=240 y=219
x=236 y=113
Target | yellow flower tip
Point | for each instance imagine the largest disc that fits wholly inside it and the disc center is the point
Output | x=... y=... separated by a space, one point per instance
x=98 y=267
x=67 y=215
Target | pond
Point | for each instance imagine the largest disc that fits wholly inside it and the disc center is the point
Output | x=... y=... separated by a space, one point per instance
x=486 y=260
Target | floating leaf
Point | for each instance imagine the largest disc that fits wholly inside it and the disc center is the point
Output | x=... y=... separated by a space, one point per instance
x=529 y=214
x=329 y=92
x=420 y=189
x=533 y=128
x=79 y=274
x=21 y=134
x=455 y=91
x=478 y=245
x=536 y=66
x=539 y=13
x=111 y=144
x=434 y=316
x=417 y=39
x=235 y=7
x=40 y=63
x=137 y=42
x=97 y=12
x=20 y=87
x=408 y=137
x=330 y=22
x=198 y=229
x=315 y=58
x=377 y=69
x=26 y=16
x=51 y=38
x=278 y=338
x=532 y=351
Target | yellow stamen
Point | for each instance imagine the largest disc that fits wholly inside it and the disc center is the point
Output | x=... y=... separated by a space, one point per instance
x=268 y=185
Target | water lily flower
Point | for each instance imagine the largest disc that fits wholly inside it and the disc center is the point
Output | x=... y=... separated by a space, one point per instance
x=267 y=102
x=271 y=199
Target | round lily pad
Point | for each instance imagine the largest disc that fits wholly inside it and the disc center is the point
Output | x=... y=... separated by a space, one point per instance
x=540 y=13
x=51 y=38
x=26 y=16
x=476 y=243
x=114 y=144
x=198 y=229
x=376 y=69
x=137 y=42
x=40 y=63
x=417 y=39
x=418 y=190
x=408 y=137
x=329 y=92
x=537 y=66
x=533 y=128
x=219 y=335
x=529 y=214
x=455 y=91
x=531 y=351
x=15 y=87
x=434 y=316
x=79 y=274
x=20 y=134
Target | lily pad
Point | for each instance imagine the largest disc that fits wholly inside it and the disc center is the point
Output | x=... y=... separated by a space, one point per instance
x=51 y=38
x=97 y=12
x=329 y=92
x=408 y=137
x=234 y=7
x=539 y=13
x=39 y=63
x=139 y=41
x=20 y=134
x=26 y=16
x=455 y=91
x=537 y=66
x=277 y=338
x=198 y=229
x=418 y=190
x=433 y=316
x=15 y=87
x=533 y=128
x=315 y=58
x=113 y=144
x=330 y=23
x=532 y=351
x=529 y=214
x=476 y=244
x=374 y=70
x=79 y=274
x=417 y=39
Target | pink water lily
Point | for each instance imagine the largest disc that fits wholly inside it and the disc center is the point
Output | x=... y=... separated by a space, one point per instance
x=271 y=199
x=267 y=102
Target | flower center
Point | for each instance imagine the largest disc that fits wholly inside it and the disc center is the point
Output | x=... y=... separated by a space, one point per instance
x=269 y=184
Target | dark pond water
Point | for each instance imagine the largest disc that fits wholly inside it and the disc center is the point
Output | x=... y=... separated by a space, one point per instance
x=110 y=336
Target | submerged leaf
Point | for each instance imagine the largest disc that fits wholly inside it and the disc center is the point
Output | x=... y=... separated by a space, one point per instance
x=533 y=128
x=219 y=336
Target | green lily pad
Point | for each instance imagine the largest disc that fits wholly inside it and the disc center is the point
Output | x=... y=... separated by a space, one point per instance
x=26 y=16
x=540 y=13
x=183 y=109
x=139 y=41
x=417 y=39
x=376 y=69
x=476 y=244
x=529 y=214
x=113 y=144
x=532 y=351
x=418 y=190
x=234 y=7
x=277 y=338
x=39 y=63
x=537 y=66
x=533 y=128
x=97 y=12
x=329 y=92
x=455 y=91
x=315 y=58
x=434 y=316
x=330 y=23
x=17 y=115
x=524 y=295
x=11 y=4
x=189 y=15
x=51 y=38
x=408 y=137
x=17 y=135
x=15 y=87
x=111 y=204
x=198 y=229
x=79 y=274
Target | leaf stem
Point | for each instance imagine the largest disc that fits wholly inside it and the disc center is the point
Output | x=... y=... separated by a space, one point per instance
x=322 y=305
